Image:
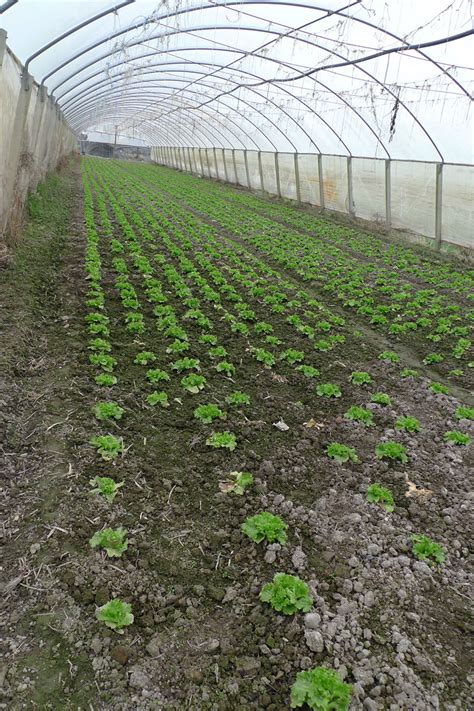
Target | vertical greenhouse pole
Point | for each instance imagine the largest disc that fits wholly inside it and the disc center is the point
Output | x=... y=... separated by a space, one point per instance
x=200 y=161
x=277 y=174
x=225 y=166
x=192 y=158
x=439 y=206
x=247 y=172
x=235 y=167
x=215 y=163
x=388 y=194
x=207 y=163
x=350 y=187
x=297 y=177
x=260 y=170
x=321 y=181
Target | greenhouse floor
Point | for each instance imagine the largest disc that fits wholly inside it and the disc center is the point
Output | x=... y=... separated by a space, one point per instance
x=330 y=361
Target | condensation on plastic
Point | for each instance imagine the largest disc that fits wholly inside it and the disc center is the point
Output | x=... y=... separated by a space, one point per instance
x=368 y=188
x=269 y=173
x=458 y=205
x=286 y=169
x=308 y=172
x=335 y=183
x=241 y=172
x=413 y=196
x=219 y=159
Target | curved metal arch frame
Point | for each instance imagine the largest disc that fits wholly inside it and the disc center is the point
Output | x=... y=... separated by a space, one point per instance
x=265 y=117
x=250 y=2
x=110 y=92
x=274 y=83
x=279 y=108
x=185 y=130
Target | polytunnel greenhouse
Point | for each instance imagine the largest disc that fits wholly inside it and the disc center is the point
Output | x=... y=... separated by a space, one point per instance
x=236 y=262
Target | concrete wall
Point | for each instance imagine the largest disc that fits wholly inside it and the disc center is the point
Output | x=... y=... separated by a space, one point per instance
x=34 y=137
x=430 y=203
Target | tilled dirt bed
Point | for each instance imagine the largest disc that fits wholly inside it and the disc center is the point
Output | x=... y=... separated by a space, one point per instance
x=394 y=627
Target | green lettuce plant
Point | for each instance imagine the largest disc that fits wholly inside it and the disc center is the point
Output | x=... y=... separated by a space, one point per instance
x=264 y=357
x=381 y=399
x=341 y=453
x=105 y=380
x=265 y=527
x=158 y=398
x=115 y=614
x=106 y=487
x=242 y=481
x=193 y=383
x=426 y=549
x=457 y=437
x=107 y=446
x=103 y=360
x=144 y=358
x=408 y=373
x=225 y=367
x=207 y=413
x=464 y=413
x=186 y=364
x=292 y=356
x=114 y=541
x=287 y=594
x=321 y=690
x=238 y=398
x=391 y=450
x=377 y=494
x=100 y=345
x=156 y=375
x=359 y=377
x=108 y=411
x=222 y=440
x=390 y=356
x=308 y=371
x=328 y=390
x=407 y=423
x=359 y=414
x=439 y=388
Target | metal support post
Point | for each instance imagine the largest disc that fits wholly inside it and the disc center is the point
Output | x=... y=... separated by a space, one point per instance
x=439 y=206
x=321 y=182
x=388 y=194
x=277 y=174
x=297 y=177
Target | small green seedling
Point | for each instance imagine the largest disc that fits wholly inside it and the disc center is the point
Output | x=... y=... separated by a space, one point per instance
x=208 y=338
x=145 y=357
x=106 y=380
x=156 y=375
x=264 y=357
x=225 y=367
x=381 y=399
x=457 y=437
x=408 y=373
x=108 y=446
x=158 y=398
x=390 y=356
x=287 y=594
x=217 y=352
x=242 y=481
x=114 y=541
x=439 y=388
x=359 y=377
x=99 y=345
x=238 y=398
x=426 y=549
x=115 y=614
x=321 y=690
x=341 y=453
x=464 y=413
x=263 y=327
x=308 y=371
x=193 y=383
x=265 y=527
x=106 y=487
x=407 y=423
x=359 y=414
x=433 y=358
x=377 y=494
x=222 y=440
x=178 y=347
x=104 y=361
x=391 y=450
x=108 y=411
x=292 y=356
x=207 y=413
x=328 y=390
